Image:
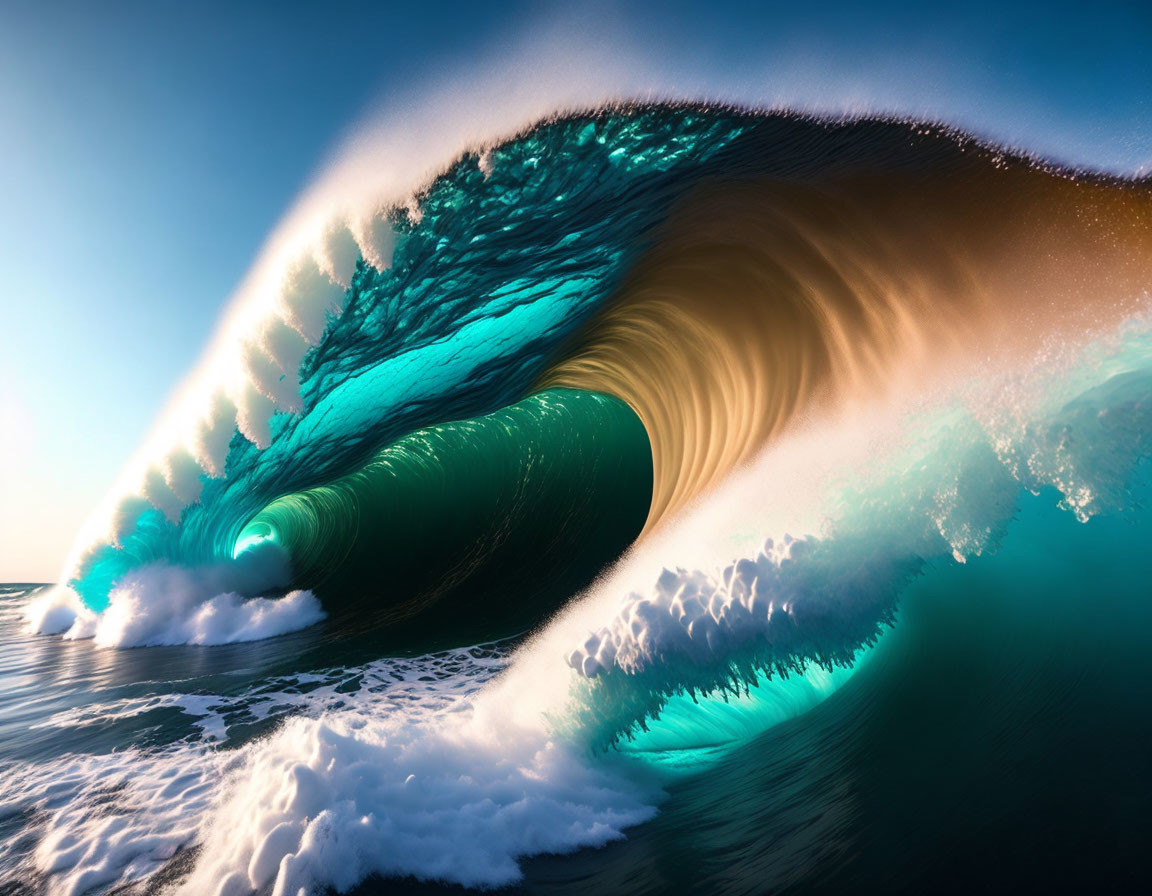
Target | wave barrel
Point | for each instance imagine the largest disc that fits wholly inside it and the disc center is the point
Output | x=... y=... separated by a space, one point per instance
x=490 y=522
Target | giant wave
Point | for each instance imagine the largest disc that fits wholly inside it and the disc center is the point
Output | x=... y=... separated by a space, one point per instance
x=715 y=386
x=721 y=272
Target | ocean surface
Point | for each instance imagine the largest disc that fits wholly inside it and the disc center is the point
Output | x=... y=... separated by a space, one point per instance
x=666 y=497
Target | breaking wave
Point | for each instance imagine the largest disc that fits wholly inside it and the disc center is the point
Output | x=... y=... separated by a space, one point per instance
x=694 y=396
x=720 y=273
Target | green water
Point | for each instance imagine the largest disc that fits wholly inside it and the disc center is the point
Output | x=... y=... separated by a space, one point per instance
x=490 y=523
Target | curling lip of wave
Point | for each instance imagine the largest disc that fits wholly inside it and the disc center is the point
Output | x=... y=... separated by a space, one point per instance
x=761 y=299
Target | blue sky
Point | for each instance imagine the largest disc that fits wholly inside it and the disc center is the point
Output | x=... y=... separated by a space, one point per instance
x=147 y=149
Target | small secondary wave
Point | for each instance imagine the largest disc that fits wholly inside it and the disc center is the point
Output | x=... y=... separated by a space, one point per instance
x=468 y=517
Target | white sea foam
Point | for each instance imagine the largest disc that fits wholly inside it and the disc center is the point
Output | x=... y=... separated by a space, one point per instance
x=55 y=610
x=101 y=819
x=161 y=603
x=407 y=780
x=328 y=802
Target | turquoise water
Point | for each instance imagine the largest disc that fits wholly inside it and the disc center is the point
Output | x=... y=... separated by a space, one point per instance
x=996 y=739
x=905 y=648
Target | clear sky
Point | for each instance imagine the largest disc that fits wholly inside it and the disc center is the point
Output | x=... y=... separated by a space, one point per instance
x=146 y=150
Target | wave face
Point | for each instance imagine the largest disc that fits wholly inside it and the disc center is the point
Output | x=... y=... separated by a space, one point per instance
x=723 y=273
